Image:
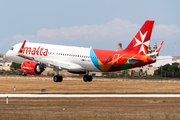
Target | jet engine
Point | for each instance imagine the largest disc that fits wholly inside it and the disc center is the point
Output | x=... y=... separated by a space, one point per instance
x=31 y=67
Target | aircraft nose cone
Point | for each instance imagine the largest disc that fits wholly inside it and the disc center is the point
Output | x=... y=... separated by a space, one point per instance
x=8 y=54
x=151 y=60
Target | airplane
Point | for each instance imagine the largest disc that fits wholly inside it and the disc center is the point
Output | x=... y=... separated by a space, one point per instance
x=35 y=57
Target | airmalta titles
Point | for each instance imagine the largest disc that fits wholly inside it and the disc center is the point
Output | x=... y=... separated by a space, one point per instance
x=35 y=51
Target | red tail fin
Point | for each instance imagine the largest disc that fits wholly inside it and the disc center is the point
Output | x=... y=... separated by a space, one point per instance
x=140 y=42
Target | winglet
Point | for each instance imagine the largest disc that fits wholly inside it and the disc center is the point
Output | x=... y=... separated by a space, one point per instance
x=158 y=49
x=22 y=47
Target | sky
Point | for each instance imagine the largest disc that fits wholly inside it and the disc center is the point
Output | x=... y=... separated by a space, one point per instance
x=101 y=24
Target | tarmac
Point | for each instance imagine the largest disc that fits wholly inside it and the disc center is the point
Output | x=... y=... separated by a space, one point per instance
x=91 y=95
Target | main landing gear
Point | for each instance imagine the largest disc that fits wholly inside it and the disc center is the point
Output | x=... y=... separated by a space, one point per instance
x=87 y=77
x=57 y=78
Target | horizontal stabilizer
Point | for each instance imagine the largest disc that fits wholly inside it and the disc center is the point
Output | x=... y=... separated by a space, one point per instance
x=132 y=60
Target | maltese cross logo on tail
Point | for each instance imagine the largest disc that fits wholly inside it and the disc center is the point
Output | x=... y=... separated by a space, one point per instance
x=143 y=44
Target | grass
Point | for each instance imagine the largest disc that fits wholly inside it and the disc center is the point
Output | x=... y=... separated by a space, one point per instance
x=84 y=117
x=33 y=85
x=90 y=109
x=9 y=105
x=167 y=116
x=152 y=117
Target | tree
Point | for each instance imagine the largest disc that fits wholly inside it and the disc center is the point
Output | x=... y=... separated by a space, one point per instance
x=15 y=66
x=168 y=70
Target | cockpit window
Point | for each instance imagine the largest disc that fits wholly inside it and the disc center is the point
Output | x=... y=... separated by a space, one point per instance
x=12 y=48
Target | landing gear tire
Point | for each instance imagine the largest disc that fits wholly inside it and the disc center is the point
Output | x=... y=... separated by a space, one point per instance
x=87 y=78
x=58 y=78
x=23 y=74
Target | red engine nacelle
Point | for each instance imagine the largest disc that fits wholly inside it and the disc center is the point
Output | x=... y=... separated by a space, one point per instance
x=31 y=67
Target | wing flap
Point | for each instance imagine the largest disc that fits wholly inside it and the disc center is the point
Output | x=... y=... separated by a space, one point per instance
x=57 y=63
x=61 y=64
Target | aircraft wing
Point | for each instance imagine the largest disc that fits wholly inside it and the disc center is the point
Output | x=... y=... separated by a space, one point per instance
x=157 y=51
x=50 y=62
x=132 y=60
x=60 y=64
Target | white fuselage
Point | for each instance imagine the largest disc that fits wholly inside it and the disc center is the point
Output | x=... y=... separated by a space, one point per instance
x=78 y=57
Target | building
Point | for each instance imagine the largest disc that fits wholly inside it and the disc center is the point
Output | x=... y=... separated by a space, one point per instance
x=4 y=62
x=163 y=60
x=1 y=55
x=119 y=47
x=8 y=63
x=152 y=50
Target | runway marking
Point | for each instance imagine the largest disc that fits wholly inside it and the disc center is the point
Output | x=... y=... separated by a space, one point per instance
x=90 y=95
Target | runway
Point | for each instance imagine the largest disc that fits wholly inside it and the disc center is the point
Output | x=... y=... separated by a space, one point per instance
x=91 y=95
